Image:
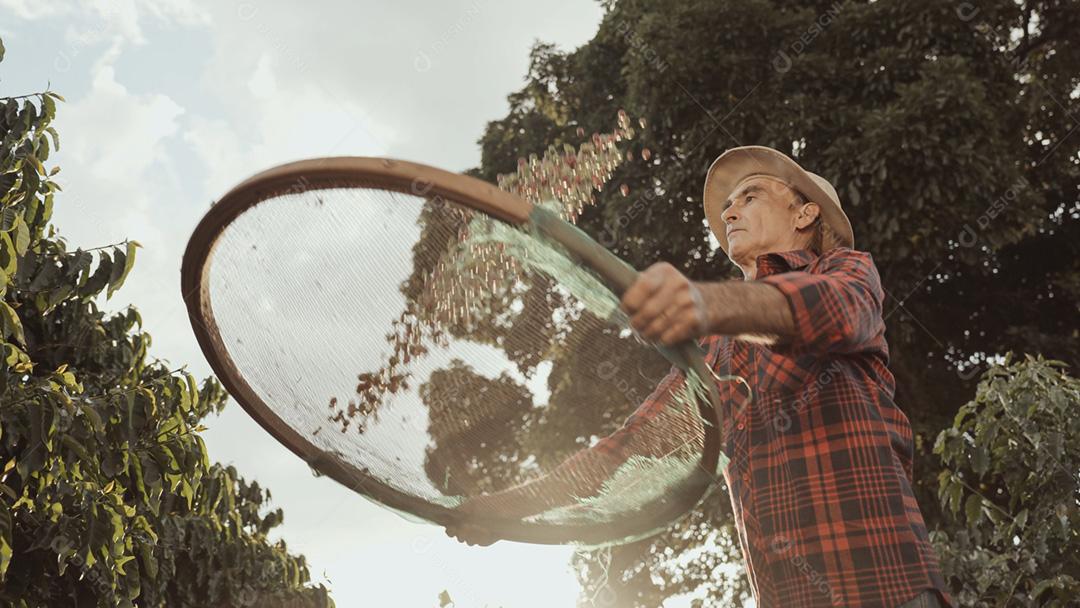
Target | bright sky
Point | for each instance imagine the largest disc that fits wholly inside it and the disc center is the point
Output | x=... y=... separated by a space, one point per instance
x=171 y=102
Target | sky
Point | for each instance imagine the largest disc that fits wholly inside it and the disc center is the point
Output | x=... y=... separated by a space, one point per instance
x=172 y=102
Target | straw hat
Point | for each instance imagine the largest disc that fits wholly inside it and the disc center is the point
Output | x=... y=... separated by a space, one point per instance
x=737 y=164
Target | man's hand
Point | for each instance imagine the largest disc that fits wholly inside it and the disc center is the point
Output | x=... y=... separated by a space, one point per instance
x=666 y=306
x=511 y=504
x=471 y=535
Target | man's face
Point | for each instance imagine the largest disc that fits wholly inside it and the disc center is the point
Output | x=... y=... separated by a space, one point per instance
x=759 y=219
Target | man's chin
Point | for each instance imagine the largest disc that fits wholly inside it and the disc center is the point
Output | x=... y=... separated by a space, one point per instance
x=736 y=252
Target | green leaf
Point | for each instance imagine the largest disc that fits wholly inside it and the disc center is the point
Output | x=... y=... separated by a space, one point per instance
x=1042 y=587
x=8 y=259
x=48 y=107
x=72 y=444
x=100 y=278
x=980 y=460
x=95 y=420
x=7 y=219
x=1021 y=519
x=55 y=137
x=22 y=236
x=7 y=181
x=11 y=323
x=134 y=582
x=120 y=561
x=973 y=509
x=122 y=264
x=149 y=562
x=5 y=537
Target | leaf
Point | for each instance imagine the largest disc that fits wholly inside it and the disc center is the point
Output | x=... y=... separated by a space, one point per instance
x=7 y=219
x=100 y=278
x=120 y=561
x=8 y=259
x=5 y=537
x=7 y=181
x=149 y=562
x=75 y=446
x=1 y=59
x=22 y=236
x=121 y=267
x=55 y=137
x=11 y=323
x=95 y=419
x=117 y=270
x=1041 y=587
x=1021 y=519
x=48 y=107
x=973 y=509
x=980 y=461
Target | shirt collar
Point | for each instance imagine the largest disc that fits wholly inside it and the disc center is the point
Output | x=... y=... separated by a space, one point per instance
x=783 y=261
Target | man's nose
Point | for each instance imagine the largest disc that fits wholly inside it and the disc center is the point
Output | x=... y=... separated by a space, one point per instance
x=729 y=215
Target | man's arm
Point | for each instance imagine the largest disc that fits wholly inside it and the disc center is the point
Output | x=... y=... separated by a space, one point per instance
x=838 y=310
x=655 y=429
x=667 y=307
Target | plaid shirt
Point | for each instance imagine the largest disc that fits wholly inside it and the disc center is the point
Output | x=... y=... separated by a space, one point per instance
x=821 y=460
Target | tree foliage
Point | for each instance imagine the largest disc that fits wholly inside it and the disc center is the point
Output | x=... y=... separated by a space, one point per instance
x=949 y=129
x=1010 y=485
x=107 y=494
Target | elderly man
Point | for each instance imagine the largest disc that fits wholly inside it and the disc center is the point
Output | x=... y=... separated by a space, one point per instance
x=820 y=463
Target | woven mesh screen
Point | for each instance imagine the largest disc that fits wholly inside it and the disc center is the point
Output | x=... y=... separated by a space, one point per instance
x=443 y=355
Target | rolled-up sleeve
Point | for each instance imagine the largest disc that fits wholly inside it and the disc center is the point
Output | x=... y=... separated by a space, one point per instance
x=835 y=310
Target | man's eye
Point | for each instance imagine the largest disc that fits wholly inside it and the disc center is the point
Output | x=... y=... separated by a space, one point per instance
x=749 y=198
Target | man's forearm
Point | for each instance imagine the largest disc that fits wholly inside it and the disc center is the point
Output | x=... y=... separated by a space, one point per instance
x=747 y=307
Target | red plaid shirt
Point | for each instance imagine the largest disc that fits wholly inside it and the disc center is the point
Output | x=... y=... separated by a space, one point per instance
x=820 y=470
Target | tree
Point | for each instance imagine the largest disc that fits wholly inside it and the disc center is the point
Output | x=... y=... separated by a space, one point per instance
x=1011 y=535
x=948 y=128
x=107 y=494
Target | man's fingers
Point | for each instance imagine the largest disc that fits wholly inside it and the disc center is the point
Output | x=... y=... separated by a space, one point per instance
x=677 y=309
x=656 y=310
x=470 y=536
x=639 y=293
x=677 y=333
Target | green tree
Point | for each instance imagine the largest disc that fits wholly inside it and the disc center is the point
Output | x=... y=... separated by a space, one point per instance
x=949 y=129
x=1012 y=530
x=107 y=494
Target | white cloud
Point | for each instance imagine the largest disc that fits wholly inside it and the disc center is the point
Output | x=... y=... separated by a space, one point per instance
x=119 y=135
x=96 y=20
x=31 y=9
x=118 y=176
x=270 y=125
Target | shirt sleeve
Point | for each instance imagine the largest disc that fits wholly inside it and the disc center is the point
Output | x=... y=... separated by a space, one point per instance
x=656 y=428
x=835 y=310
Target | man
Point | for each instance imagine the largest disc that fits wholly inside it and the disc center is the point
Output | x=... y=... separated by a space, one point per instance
x=820 y=470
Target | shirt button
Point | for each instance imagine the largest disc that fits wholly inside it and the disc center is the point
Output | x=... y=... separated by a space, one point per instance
x=739 y=426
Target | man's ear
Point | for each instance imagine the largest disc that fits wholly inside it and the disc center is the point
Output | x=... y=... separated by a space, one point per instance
x=807 y=214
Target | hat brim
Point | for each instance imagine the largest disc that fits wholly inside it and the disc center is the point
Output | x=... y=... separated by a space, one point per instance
x=737 y=164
